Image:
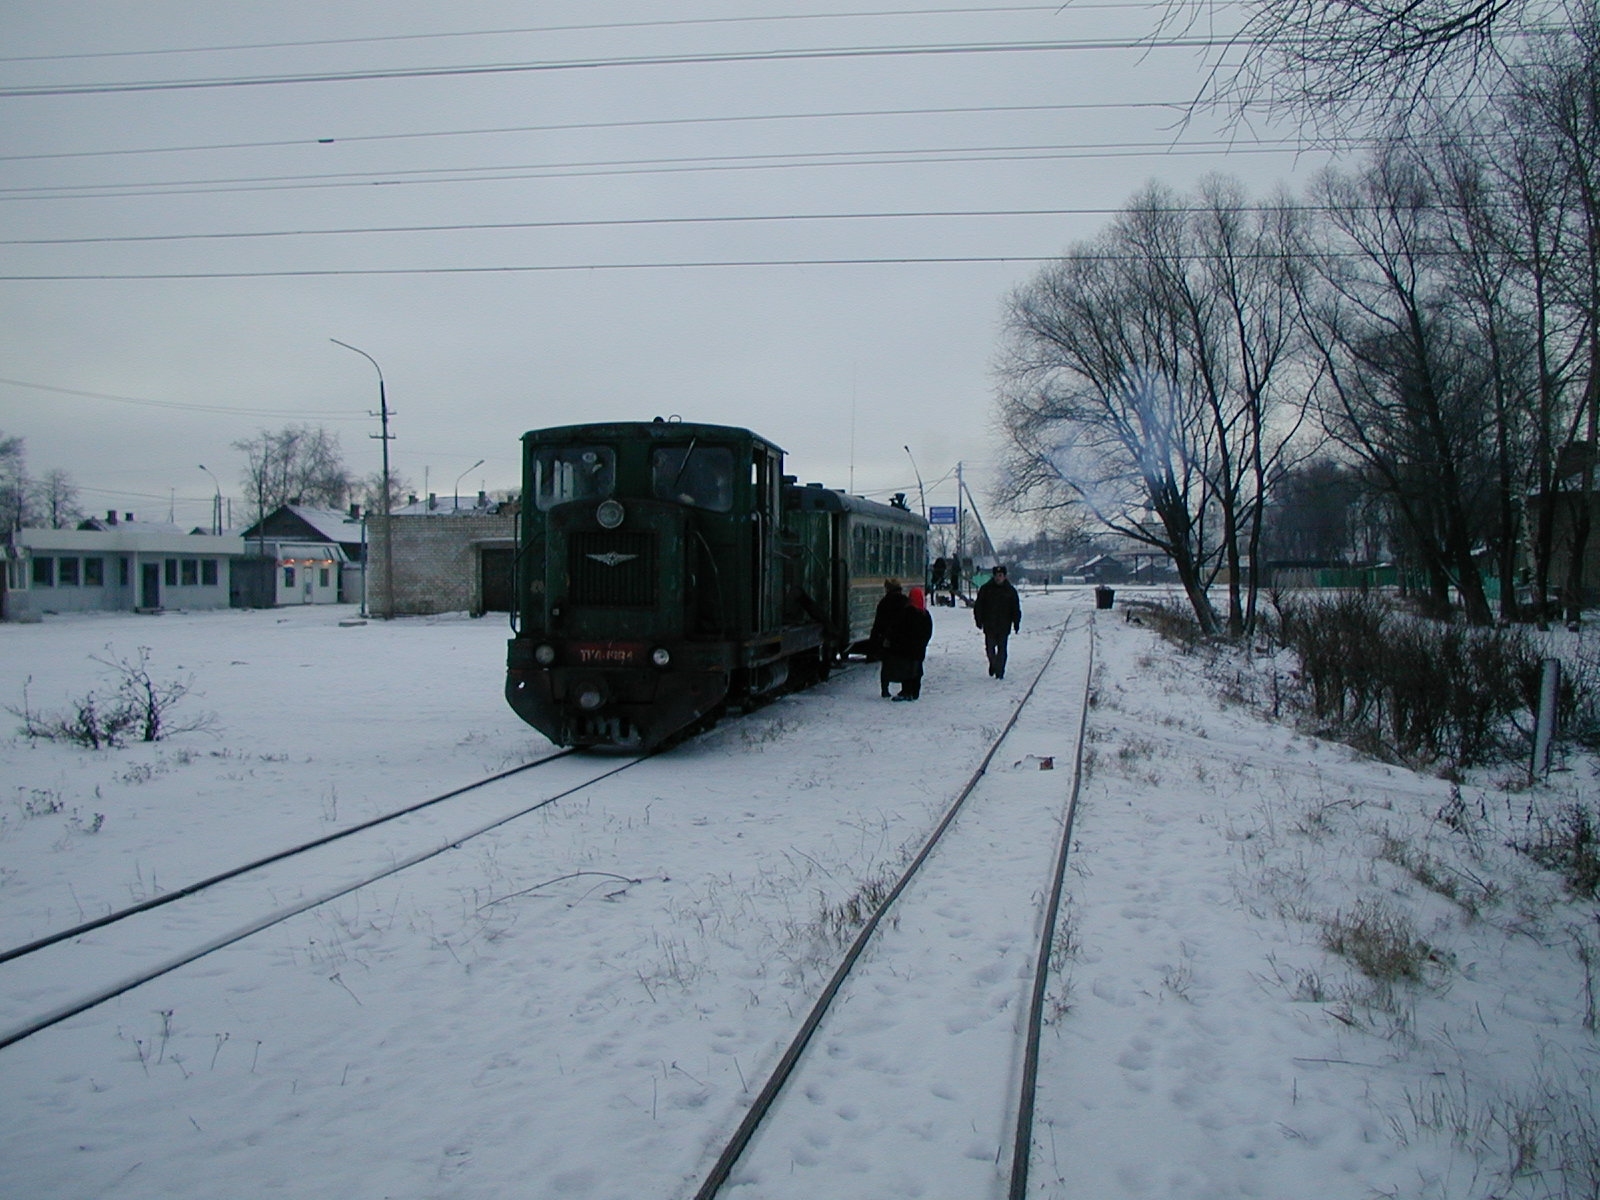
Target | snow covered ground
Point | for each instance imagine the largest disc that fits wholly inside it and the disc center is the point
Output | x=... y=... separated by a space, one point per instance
x=581 y=1003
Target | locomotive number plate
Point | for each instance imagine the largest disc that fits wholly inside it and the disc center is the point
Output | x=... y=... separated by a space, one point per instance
x=608 y=654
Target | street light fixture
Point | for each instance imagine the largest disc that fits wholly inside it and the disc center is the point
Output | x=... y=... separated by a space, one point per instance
x=456 y=491
x=922 y=493
x=216 y=504
x=386 y=437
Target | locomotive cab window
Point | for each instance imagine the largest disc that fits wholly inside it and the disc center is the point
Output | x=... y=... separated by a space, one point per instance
x=562 y=474
x=699 y=476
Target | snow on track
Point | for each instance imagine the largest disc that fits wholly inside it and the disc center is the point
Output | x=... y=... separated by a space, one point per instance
x=927 y=1032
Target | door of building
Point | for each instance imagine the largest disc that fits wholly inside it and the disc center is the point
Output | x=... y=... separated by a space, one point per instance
x=496 y=576
x=150 y=585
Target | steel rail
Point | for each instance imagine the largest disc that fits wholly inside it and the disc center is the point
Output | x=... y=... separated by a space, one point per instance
x=1022 y=1149
x=758 y=1110
x=72 y=1008
x=201 y=885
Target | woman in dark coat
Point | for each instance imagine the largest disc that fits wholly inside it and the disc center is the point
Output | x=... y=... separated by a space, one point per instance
x=878 y=640
x=910 y=630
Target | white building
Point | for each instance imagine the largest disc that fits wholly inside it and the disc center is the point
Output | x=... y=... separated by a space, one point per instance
x=112 y=566
x=307 y=572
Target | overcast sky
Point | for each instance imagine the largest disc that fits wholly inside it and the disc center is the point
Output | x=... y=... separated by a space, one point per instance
x=511 y=208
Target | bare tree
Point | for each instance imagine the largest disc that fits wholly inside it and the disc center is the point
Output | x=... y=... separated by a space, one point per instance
x=1405 y=383
x=370 y=489
x=298 y=464
x=1315 y=513
x=1145 y=378
x=56 y=500
x=1329 y=61
x=15 y=488
x=1557 y=96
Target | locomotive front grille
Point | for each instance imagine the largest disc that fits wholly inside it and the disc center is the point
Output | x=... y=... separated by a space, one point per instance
x=612 y=569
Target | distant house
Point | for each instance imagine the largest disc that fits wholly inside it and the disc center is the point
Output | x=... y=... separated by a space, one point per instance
x=298 y=554
x=449 y=555
x=114 y=565
x=1102 y=568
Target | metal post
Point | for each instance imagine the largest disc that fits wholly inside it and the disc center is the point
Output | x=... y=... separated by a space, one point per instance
x=961 y=533
x=922 y=494
x=216 y=504
x=1545 y=723
x=455 y=492
x=388 y=513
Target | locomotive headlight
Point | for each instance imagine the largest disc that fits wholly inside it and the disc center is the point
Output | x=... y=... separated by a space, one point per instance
x=544 y=654
x=590 y=699
x=661 y=656
x=609 y=514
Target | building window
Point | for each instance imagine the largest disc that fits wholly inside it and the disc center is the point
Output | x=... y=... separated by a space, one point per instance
x=172 y=572
x=67 y=572
x=94 y=572
x=288 y=577
x=208 y=572
x=323 y=576
x=191 y=572
x=44 y=572
x=122 y=571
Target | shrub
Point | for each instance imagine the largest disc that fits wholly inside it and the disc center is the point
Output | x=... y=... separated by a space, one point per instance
x=138 y=708
x=1424 y=690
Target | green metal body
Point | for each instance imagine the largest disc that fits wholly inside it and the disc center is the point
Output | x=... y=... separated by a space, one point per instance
x=667 y=569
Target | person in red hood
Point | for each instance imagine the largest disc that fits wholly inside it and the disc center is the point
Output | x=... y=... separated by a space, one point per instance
x=909 y=633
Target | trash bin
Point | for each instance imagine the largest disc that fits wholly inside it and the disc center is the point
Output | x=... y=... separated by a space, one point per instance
x=1103 y=596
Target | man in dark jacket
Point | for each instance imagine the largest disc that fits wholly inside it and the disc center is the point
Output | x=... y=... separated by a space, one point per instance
x=997 y=611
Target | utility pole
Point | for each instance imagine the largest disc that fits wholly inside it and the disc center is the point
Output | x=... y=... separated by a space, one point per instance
x=961 y=532
x=388 y=515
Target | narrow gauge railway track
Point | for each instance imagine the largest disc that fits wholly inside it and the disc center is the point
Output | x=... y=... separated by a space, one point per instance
x=31 y=970
x=897 y=1035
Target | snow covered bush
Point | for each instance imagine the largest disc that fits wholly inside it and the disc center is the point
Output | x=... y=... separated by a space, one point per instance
x=137 y=707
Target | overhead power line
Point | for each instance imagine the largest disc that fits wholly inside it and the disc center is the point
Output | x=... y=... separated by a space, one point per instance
x=897 y=260
x=231 y=410
x=1176 y=107
x=651 y=166
x=639 y=222
x=588 y=27
x=507 y=226
x=622 y=62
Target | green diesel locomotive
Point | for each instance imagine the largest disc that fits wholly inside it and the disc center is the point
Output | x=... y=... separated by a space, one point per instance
x=668 y=570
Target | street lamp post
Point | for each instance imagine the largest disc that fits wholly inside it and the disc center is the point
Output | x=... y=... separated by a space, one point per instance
x=922 y=494
x=216 y=504
x=455 y=505
x=388 y=515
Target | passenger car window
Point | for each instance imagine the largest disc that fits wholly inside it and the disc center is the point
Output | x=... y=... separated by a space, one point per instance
x=699 y=476
x=562 y=474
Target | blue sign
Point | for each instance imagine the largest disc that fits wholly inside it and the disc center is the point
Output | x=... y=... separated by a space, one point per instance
x=941 y=515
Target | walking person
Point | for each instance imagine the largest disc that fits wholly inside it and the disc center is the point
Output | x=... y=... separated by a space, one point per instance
x=909 y=634
x=894 y=599
x=997 y=611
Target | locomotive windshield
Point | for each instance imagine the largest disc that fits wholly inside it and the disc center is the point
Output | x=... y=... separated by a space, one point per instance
x=565 y=473
x=699 y=476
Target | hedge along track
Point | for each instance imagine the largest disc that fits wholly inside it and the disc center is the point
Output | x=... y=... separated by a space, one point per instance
x=61 y=1012
x=930 y=978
